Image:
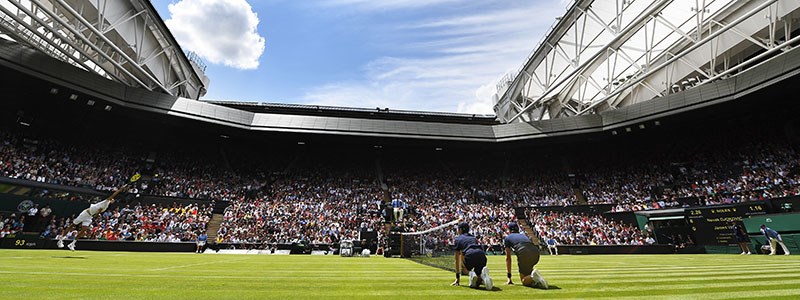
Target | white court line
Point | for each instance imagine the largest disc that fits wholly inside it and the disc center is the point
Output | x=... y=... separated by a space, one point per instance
x=673 y=280
x=415 y=278
x=670 y=268
x=198 y=264
x=336 y=275
x=559 y=271
x=337 y=271
x=386 y=272
x=707 y=295
x=789 y=272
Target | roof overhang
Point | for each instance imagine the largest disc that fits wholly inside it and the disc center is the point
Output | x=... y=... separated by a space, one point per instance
x=26 y=60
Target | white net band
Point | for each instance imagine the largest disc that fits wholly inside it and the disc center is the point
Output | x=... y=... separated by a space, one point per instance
x=440 y=227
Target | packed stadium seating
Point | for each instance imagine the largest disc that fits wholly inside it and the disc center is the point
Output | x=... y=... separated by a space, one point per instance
x=104 y=167
x=318 y=207
x=583 y=229
x=147 y=223
x=321 y=199
x=755 y=170
x=11 y=224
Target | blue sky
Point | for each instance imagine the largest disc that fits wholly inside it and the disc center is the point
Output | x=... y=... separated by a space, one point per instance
x=434 y=55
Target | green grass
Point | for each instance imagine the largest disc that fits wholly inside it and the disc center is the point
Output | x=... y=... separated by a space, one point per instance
x=46 y=274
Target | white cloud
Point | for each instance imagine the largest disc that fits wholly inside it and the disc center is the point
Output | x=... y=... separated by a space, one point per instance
x=483 y=102
x=221 y=31
x=456 y=63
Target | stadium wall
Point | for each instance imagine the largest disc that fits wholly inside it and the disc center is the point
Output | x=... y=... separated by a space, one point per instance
x=29 y=241
x=35 y=242
x=782 y=223
x=599 y=249
x=792 y=242
x=21 y=204
x=787 y=224
x=294 y=248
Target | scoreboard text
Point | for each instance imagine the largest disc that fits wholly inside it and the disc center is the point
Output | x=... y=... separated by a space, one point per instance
x=711 y=226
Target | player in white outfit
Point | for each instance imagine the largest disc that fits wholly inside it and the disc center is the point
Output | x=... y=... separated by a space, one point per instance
x=84 y=219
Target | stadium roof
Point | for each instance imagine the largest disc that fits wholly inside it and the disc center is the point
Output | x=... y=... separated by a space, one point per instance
x=605 y=54
x=599 y=57
x=124 y=40
x=376 y=113
x=62 y=76
x=601 y=65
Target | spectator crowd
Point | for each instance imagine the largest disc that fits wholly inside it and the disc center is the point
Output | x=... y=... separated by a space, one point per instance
x=144 y=223
x=572 y=228
x=314 y=208
x=322 y=201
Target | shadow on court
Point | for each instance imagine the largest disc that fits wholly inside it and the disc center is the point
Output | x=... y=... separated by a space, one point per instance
x=553 y=287
x=497 y=289
x=549 y=287
x=70 y=257
x=494 y=289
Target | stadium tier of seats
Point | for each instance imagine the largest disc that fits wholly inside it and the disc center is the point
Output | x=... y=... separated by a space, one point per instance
x=318 y=208
x=145 y=223
x=322 y=200
x=583 y=229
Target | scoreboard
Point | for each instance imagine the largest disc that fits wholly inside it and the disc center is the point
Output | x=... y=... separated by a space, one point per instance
x=22 y=242
x=711 y=226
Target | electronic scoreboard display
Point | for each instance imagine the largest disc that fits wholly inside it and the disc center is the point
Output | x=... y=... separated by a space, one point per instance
x=711 y=226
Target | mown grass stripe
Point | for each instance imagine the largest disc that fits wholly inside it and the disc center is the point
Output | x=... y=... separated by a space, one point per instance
x=120 y=275
x=648 y=269
x=648 y=280
x=771 y=293
x=662 y=274
x=658 y=286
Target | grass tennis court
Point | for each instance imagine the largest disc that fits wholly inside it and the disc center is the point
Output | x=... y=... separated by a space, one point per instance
x=46 y=274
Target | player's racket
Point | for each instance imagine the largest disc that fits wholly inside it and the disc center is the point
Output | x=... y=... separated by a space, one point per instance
x=136 y=177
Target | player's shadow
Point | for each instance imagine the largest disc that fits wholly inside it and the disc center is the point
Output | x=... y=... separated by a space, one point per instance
x=494 y=288
x=549 y=287
x=70 y=257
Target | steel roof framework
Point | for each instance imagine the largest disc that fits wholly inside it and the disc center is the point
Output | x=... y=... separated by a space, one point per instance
x=122 y=40
x=605 y=54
